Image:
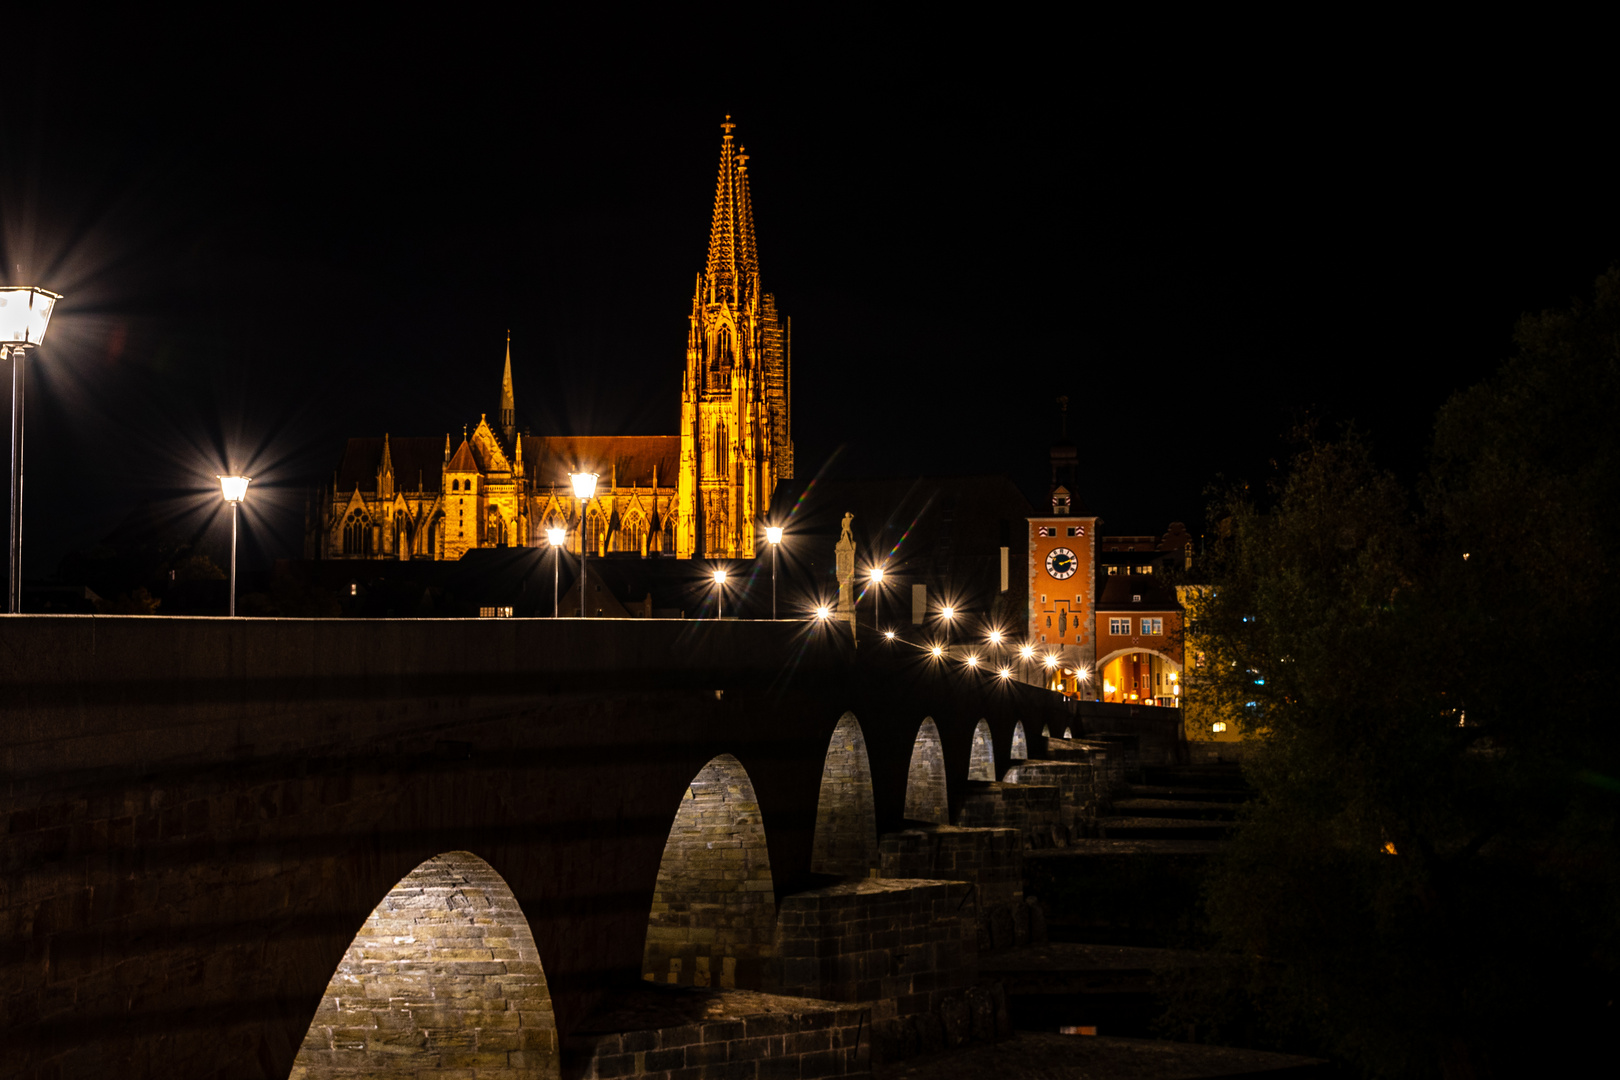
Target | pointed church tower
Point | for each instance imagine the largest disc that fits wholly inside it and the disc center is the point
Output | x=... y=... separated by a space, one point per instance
x=508 y=403
x=735 y=430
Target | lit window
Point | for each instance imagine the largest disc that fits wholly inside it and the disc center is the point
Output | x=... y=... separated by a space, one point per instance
x=1219 y=725
x=1152 y=626
x=1113 y=571
x=1119 y=627
x=1144 y=569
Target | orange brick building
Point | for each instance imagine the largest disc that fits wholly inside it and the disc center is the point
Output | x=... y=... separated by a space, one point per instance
x=1102 y=621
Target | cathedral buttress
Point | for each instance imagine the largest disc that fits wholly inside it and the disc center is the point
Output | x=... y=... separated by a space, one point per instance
x=734 y=413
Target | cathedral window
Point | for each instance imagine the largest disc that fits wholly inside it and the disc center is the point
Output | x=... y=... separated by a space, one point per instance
x=669 y=534
x=631 y=535
x=357 y=533
x=495 y=530
x=723 y=346
x=594 y=530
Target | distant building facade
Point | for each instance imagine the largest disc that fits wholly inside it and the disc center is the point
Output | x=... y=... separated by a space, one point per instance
x=1103 y=623
x=699 y=493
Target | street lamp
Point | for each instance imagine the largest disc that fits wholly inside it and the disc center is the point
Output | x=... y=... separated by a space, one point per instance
x=25 y=312
x=720 y=594
x=773 y=533
x=877 y=597
x=584 y=490
x=557 y=536
x=234 y=488
x=823 y=613
x=947 y=613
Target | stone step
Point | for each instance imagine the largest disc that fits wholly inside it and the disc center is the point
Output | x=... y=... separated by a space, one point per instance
x=1033 y=1053
x=1229 y=777
x=1161 y=828
x=1175 y=808
x=1192 y=794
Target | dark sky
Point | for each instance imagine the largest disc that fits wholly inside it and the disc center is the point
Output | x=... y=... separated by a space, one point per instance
x=271 y=242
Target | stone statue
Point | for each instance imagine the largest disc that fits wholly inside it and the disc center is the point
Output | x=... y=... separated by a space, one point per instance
x=847 y=537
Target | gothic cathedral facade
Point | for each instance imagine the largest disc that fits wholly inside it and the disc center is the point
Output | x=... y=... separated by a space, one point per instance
x=736 y=431
x=699 y=494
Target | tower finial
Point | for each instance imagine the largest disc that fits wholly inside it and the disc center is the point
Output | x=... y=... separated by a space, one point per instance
x=728 y=127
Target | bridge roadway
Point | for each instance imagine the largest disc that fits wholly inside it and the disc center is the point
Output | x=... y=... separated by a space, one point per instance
x=198 y=814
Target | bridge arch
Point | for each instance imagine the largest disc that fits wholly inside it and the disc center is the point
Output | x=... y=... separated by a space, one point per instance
x=713 y=918
x=982 y=758
x=1020 y=743
x=444 y=971
x=845 y=841
x=926 y=793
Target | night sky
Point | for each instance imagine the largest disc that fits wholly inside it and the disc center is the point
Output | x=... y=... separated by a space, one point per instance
x=269 y=243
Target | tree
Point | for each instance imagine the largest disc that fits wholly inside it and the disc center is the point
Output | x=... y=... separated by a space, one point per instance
x=1429 y=877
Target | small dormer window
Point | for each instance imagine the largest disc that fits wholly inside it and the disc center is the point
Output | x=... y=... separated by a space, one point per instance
x=1136 y=599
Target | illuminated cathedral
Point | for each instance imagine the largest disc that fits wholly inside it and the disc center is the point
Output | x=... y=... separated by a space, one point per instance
x=700 y=493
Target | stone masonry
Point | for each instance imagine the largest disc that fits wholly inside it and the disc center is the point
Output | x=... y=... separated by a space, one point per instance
x=846 y=821
x=990 y=859
x=926 y=795
x=444 y=976
x=713 y=914
x=663 y=1034
x=1035 y=811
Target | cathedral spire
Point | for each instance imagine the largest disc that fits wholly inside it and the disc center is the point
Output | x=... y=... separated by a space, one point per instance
x=508 y=404
x=731 y=229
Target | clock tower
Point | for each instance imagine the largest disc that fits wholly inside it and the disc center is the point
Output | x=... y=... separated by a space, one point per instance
x=1062 y=568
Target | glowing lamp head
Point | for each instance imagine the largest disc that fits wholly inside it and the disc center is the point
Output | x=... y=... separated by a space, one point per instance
x=1175 y=689
x=1049 y=660
x=773 y=534
x=25 y=312
x=888 y=635
x=556 y=535
x=719 y=577
x=823 y=612
x=947 y=613
x=1005 y=673
x=995 y=637
x=937 y=651
x=584 y=484
x=877 y=575
x=973 y=661
x=234 y=488
x=1026 y=651
x=1083 y=674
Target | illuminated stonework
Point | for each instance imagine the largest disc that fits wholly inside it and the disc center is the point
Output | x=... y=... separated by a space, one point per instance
x=700 y=493
x=736 y=431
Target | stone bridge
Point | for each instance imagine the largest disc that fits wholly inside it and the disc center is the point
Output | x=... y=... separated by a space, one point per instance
x=233 y=848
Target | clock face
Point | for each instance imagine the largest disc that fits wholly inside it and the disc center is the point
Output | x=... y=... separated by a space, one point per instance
x=1061 y=563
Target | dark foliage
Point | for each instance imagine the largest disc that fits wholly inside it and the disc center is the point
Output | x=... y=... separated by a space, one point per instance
x=1429 y=879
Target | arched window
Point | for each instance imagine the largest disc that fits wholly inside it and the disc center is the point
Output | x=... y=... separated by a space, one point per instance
x=722 y=342
x=669 y=534
x=357 y=533
x=631 y=534
x=495 y=529
x=594 y=528
x=402 y=533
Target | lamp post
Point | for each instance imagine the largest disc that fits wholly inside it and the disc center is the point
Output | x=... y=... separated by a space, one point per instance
x=25 y=312
x=557 y=536
x=584 y=491
x=947 y=613
x=773 y=533
x=877 y=597
x=234 y=488
x=720 y=594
